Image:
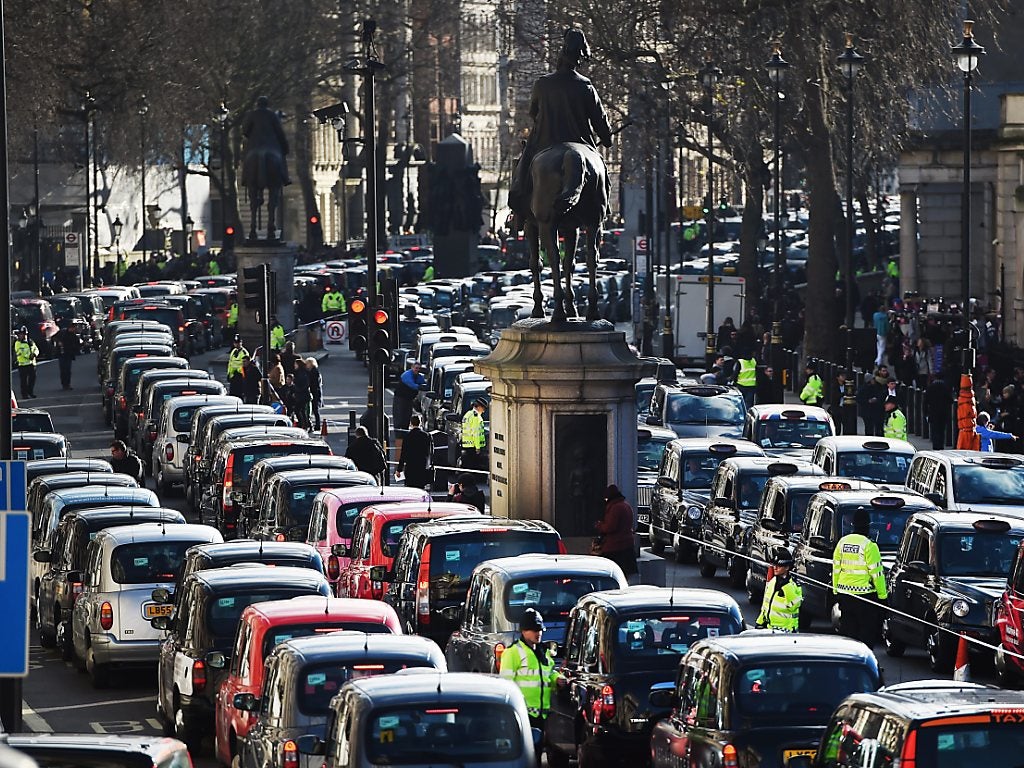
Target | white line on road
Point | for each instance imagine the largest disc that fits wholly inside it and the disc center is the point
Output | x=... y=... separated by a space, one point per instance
x=33 y=720
x=97 y=704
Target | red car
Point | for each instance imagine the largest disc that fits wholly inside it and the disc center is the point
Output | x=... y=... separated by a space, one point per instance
x=1010 y=623
x=264 y=625
x=375 y=536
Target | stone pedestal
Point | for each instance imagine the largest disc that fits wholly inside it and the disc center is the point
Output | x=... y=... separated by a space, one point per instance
x=563 y=421
x=280 y=258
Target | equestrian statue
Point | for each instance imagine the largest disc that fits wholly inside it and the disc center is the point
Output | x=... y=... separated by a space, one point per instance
x=264 y=168
x=560 y=184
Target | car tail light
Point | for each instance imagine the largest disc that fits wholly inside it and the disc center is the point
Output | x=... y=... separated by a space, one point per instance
x=198 y=676
x=289 y=754
x=499 y=649
x=152 y=435
x=279 y=537
x=110 y=390
x=229 y=484
x=76 y=590
x=106 y=616
x=122 y=403
x=169 y=452
x=423 y=588
x=561 y=548
x=908 y=757
x=729 y=756
x=333 y=568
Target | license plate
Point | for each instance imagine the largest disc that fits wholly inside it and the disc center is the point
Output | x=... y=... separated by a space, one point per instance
x=152 y=610
x=789 y=753
x=643 y=518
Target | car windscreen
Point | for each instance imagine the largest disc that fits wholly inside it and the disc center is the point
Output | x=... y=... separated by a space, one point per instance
x=887 y=525
x=446 y=732
x=147 y=562
x=169 y=317
x=749 y=487
x=36 y=451
x=790 y=433
x=225 y=610
x=553 y=595
x=247 y=458
x=347 y=514
x=644 y=395
x=300 y=502
x=656 y=641
x=649 y=451
x=876 y=466
x=994 y=738
x=795 y=692
x=974 y=484
x=697 y=471
x=407 y=333
x=27 y=314
x=31 y=422
x=66 y=306
x=277 y=635
x=453 y=558
x=503 y=317
x=319 y=683
x=687 y=408
x=391 y=534
x=977 y=553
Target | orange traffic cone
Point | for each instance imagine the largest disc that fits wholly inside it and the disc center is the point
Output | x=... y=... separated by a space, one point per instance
x=962 y=667
x=323 y=428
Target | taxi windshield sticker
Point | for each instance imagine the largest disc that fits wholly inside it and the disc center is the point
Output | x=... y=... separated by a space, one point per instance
x=388 y=721
x=533 y=596
x=317 y=678
x=635 y=625
x=278 y=639
x=451 y=554
x=226 y=602
x=518 y=589
x=140 y=561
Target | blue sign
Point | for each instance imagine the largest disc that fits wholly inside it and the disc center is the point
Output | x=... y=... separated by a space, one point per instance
x=15 y=530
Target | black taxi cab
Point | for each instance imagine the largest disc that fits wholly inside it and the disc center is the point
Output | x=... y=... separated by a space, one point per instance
x=650 y=448
x=924 y=724
x=829 y=518
x=619 y=644
x=780 y=519
x=757 y=700
x=735 y=497
x=950 y=572
x=682 y=488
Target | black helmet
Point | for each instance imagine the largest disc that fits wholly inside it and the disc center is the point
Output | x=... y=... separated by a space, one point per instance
x=782 y=556
x=531 y=620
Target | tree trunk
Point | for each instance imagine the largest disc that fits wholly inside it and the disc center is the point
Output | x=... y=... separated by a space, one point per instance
x=867 y=215
x=750 y=231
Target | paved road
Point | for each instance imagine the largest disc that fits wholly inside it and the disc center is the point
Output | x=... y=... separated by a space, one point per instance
x=57 y=698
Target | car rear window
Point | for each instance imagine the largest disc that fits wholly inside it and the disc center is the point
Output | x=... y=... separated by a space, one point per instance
x=448 y=732
x=169 y=317
x=225 y=610
x=995 y=740
x=346 y=516
x=798 y=692
x=726 y=409
x=147 y=562
x=553 y=595
x=247 y=458
x=874 y=466
x=790 y=433
x=31 y=422
x=973 y=484
x=391 y=533
x=453 y=558
x=656 y=641
x=33 y=452
x=319 y=683
x=277 y=635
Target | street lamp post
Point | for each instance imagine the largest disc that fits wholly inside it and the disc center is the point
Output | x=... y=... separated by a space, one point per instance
x=37 y=219
x=187 y=246
x=709 y=77
x=143 y=109
x=850 y=64
x=967 y=54
x=777 y=67
x=83 y=259
x=116 y=227
x=222 y=118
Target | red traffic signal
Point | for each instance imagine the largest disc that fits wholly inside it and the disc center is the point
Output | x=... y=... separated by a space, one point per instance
x=358 y=306
x=229 y=231
x=314 y=219
x=380 y=317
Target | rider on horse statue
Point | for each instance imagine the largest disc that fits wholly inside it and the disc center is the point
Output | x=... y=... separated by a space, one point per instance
x=264 y=166
x=565 y=108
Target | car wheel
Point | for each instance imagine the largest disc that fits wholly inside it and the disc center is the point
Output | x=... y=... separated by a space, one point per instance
x=707 y=570
x=755 y=596
x=556 y=758
x=893 y=647
x=47 y=635
x=99 y=674
x=941 y=651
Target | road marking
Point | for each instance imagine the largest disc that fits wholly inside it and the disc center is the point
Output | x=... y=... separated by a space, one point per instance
x=97 y=704
x=33 y=720
x=124 y=726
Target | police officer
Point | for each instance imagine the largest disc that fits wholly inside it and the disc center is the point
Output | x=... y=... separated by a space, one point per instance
x=746 y=379
x=213 y=266
x=333 y=302
x=529 y=665
x=237 y=358
x=474 y=438
x=276 y=333
x=859 y=582
x=233 y=316
x=25 y=354
x=814 y=389
x=895 y=426
x=780 y=608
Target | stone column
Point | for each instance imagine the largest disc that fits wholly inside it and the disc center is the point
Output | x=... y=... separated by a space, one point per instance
x=563 y=422
x=908 y=239
x=280 y=257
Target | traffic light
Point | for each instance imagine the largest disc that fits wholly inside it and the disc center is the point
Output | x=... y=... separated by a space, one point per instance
x=254 y=287
x=357 y=326
x=314 y=232
x=381 y=342
x=228 y=241
x=706 y=206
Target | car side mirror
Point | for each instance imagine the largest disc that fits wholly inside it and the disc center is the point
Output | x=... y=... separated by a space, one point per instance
x=770 y=524
x=662 y=695
x=724 y=501
x=654 y=421
x=452 y=612
x=41 y=555
x=310 y=744
x=921 y=567
x=381 y=573
x=182 y=439
x=162 y=623
x=667 y=482
x=818 y=542
x=935 y=498
x=245 y=702
x=339 y=550
x=216 y=660
x=73 y=577
x=161 y=595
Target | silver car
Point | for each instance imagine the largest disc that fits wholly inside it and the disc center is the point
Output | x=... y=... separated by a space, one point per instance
x=171 y=442
x=110 y=622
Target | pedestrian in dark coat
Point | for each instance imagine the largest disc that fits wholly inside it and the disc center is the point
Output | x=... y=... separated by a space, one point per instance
x=769 y=387
x=367 y=453
x=316 y=385
x=301 y=394
x=468 y=493
x=251 y=382
x=871 y=401
x=288 y=358
x=415 y=455
x=68 y=345
x=126 y=461
x=616 y=530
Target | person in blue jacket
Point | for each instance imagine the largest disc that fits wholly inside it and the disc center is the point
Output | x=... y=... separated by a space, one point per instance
x=987 y=434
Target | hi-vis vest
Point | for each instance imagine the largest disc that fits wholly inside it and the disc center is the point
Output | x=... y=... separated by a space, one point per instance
x=519 y=664
x=857 y=566
x=473 y=431
x=26 y=352
x=781 y=609
x=748 y=373
x=236 y=360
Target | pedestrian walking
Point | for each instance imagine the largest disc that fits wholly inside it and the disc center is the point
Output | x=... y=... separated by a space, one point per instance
x=871 y=400
x=835 y=405
x=858 y=582
x=68 y=345
x=25 y=354
x=814 y=389
x=530 y=666
x=987 y=434
x=895 y=426
x=615 y=531
x=409 y=385
x=880 y=319
x=415 y=455
x=126 y=461
x=474 y=437
x=237 y=358
x=289 y=358
x=301 y=393
x=746 y=379
x=769 y=388
x=316 y=390
x=780 y=607
x=251 y=378
x=938 y=405
x=367 y=453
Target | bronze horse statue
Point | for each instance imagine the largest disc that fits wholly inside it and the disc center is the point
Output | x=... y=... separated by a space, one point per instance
x=264 y=168
x=569 y=193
